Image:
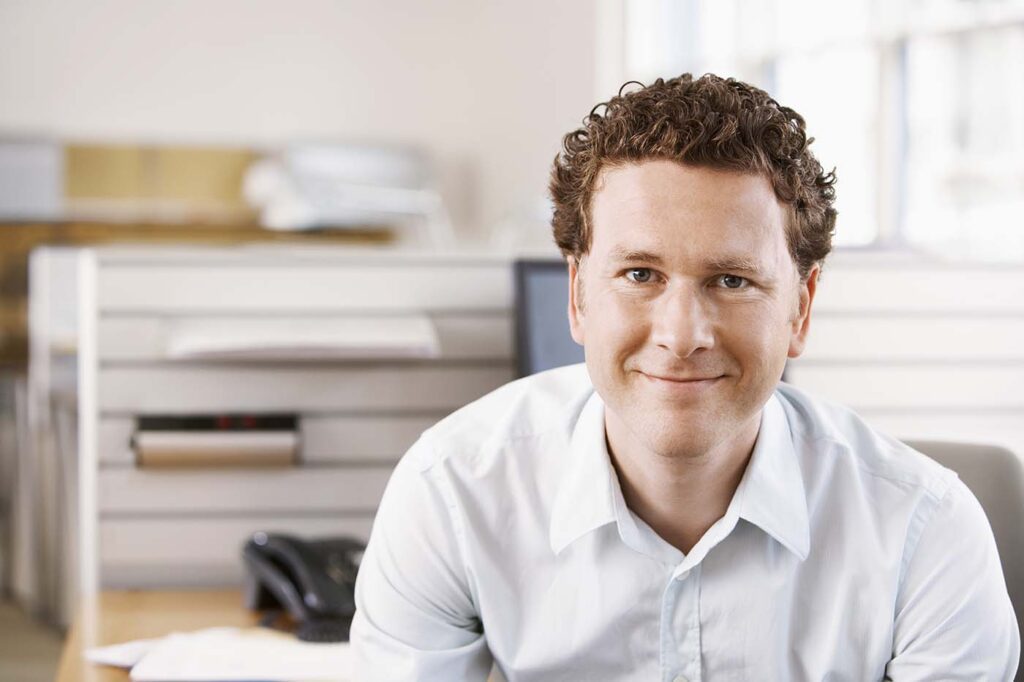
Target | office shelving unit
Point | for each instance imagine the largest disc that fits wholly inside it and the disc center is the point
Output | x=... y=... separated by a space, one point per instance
x=142 y=317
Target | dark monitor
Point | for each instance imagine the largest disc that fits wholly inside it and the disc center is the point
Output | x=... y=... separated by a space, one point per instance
x=543 y=340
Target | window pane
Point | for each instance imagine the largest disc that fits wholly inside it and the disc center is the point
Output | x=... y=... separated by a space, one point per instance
x=965 y=144
x=930 y=17
x=717 y=39
x=812 y=24
x=836 y=92
x=661 y=38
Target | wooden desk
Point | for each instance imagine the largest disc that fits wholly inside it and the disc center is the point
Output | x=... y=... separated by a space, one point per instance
x=123 y=616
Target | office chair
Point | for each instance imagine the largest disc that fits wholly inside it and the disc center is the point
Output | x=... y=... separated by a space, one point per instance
x=996 y=477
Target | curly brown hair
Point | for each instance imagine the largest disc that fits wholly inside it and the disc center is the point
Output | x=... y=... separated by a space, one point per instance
x=709 y=121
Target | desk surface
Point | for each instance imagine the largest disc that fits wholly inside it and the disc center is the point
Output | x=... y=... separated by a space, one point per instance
x=122 y=616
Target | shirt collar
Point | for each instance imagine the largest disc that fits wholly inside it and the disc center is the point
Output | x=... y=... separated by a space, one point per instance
x=770 y=495
x=586 y=496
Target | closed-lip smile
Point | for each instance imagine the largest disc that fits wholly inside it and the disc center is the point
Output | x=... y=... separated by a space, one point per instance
x=680 y=380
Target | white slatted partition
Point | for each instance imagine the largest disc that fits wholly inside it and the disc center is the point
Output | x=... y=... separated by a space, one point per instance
x=922 y=350
x=202 y=550
x=356 y=416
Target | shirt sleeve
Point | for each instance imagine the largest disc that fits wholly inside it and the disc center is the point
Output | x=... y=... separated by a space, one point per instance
x=415 y=614
x=954 y=619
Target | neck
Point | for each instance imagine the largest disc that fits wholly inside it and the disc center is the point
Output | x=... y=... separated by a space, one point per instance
x=679 y=494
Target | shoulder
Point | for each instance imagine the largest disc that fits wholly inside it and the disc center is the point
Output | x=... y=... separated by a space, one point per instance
x=834 y=436
x=535 y=407
x=898 y=499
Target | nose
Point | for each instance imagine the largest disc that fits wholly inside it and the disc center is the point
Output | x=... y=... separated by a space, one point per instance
x=682 y=322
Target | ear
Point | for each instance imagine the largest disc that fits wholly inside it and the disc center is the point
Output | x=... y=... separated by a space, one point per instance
x=575 y=300
x=801 y=324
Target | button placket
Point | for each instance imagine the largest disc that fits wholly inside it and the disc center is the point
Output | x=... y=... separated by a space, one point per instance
x=681 y=628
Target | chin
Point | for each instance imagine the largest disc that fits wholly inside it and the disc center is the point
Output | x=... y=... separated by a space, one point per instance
x=669 y=434
x=681 y=446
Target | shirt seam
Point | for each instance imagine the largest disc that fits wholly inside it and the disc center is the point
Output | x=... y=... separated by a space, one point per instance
x=933 y=486
x=565 y=424
x=452 y=509
x=926 y=484
x=922 y=518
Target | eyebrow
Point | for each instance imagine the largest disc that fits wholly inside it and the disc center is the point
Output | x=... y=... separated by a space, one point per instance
x=721 y=264
x=734 y=264
x=633 y=255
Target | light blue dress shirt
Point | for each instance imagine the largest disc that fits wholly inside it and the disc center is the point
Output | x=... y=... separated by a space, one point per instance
x=503 y=539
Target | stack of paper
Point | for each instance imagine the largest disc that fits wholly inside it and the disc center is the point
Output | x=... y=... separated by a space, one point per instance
x=350 y=338
x=228 y=655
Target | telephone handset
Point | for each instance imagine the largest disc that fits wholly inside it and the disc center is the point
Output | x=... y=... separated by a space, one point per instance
x=314 y=580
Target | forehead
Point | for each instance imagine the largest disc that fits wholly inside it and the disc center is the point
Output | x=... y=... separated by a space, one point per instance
x=682 y=211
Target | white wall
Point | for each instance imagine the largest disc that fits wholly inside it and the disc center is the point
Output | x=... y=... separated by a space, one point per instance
x=488 y=87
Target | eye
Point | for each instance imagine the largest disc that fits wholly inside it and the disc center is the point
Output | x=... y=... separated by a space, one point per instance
x=732 y=281
x=639 y=275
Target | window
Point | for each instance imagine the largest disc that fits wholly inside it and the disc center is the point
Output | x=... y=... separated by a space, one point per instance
x=919 y=104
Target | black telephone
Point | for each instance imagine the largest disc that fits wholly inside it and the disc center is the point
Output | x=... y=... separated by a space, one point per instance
x=314 y=580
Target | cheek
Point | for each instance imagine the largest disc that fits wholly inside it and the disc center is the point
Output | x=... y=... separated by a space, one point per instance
x=627 y=323
x=615 y=328
x=758 y=336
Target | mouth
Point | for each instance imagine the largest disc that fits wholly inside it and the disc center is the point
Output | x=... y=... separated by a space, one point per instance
x=686 y=388
x=693 y=380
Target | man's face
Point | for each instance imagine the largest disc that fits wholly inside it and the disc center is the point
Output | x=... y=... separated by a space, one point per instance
x=687 y=303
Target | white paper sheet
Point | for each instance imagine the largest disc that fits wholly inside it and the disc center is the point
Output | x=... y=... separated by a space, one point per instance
x=230 y=655
x=350 y=338
x=123 y=655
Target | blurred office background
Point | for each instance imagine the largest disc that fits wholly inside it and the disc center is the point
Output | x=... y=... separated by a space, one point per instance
x=221 y=124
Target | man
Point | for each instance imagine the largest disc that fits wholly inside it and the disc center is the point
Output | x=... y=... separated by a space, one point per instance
x=670 y=511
